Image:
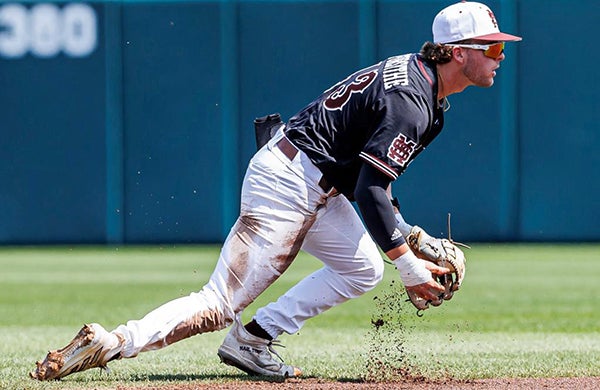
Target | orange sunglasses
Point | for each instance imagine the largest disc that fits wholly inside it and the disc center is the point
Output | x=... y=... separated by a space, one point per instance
x=493 y=50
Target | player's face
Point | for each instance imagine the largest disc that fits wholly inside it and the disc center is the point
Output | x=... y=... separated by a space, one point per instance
x=480 y=69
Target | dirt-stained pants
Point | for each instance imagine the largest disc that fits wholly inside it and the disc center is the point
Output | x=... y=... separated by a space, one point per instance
x=283 y=210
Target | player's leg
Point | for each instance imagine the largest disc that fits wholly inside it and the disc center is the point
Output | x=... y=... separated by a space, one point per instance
x=353 y=266
x=279 y=204
x=243 y=347
x=277 y=210
x=255 y=254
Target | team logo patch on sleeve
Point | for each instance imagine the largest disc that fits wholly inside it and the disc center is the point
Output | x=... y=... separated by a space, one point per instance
x=401 y=150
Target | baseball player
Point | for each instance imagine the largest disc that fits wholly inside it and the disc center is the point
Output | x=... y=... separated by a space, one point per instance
x=348 y=145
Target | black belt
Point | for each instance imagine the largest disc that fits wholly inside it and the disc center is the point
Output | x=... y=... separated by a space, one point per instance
x=290 y=151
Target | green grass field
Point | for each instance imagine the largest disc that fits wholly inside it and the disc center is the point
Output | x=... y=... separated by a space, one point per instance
x=524 y=311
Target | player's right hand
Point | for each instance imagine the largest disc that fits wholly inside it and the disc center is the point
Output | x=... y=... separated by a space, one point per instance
x=436 y=269
x=429 y=291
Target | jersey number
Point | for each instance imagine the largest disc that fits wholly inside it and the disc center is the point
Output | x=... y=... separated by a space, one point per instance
x=354 y=84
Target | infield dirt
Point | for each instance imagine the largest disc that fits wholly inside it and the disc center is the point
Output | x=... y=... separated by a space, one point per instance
x=315 y=384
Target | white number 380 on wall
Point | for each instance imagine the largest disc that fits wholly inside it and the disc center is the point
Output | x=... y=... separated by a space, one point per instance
x=45 y=30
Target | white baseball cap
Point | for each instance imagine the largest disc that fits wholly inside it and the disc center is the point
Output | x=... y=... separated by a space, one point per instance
x=468 y=20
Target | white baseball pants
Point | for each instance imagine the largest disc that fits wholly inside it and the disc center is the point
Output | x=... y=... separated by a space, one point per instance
x=283 y=210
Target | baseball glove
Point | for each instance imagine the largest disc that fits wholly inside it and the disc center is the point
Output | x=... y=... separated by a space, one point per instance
x=444 y=253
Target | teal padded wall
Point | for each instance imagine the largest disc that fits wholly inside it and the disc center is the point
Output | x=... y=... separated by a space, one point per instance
x=172 y=95
x=143 y=135
x=560 y=131
x=52 y=142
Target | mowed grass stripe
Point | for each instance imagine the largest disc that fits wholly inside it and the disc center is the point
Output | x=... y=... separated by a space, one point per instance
x=524 y=311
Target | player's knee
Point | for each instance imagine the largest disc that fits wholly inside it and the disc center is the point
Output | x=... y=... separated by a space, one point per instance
x=367 y=277
x=376 y=274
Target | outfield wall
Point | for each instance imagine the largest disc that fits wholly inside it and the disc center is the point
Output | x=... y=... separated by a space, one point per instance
x=131 y=122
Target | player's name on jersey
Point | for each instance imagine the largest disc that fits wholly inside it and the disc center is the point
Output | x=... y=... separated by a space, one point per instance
x=395 y=71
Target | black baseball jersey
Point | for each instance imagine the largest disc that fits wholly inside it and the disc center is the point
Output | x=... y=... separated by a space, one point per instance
x=383 y=115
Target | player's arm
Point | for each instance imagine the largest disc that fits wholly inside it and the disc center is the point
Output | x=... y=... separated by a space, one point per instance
x=371 y=195
x=377 y=211
x=404 y=227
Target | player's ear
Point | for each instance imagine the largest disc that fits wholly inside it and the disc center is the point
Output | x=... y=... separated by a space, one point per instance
x=457 y=54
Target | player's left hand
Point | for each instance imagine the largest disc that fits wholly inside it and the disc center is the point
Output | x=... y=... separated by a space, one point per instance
x=443 y=252
x=439 y=255
x=425 y=246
